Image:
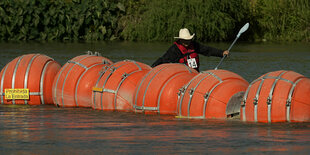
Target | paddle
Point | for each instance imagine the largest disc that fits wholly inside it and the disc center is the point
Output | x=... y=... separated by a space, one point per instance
x=243 y=29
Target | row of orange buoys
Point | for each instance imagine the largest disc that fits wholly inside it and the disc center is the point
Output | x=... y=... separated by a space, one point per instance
x=173 y=89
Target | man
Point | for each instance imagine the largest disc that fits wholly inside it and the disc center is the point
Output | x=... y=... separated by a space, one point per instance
x=186 y=51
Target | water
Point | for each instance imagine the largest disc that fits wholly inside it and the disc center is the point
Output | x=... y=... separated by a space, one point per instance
x=47 y=129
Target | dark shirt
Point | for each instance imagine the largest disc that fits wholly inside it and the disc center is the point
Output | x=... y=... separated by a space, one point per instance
x=173 y=55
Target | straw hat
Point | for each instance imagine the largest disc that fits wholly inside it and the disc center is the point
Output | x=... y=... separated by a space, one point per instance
x=184 y=34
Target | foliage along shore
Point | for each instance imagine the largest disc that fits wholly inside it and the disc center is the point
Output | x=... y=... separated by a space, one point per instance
x=154 y=20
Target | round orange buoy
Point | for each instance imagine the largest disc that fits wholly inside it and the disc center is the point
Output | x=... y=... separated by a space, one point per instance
x=34 y=72
x=277 y=97
x=73 y=84
x=115 y=88
x=157 y=91
x=212 y=94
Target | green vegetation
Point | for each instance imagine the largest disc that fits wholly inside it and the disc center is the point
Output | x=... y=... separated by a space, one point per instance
x=282 y=20
x=161 y=19
x=154 y=20
x=59 y=19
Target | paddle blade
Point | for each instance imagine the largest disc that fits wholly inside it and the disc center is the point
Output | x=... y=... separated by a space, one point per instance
x=243 y=29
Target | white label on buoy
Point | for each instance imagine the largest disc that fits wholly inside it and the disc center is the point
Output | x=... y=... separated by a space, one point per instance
x=16 y=94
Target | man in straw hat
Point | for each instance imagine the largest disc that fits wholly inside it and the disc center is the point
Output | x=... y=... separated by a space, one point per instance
x=186 y=51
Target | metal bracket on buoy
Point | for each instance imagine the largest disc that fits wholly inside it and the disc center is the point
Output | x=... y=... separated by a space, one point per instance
x=288 y=102
x=181 y=91
x=112 y=69
x=243 y=103
x=269 y=99
x=97 y=54
x=179 y=94
x=89 y=53
x=255 y=101
x=94 y=54
x=105 y=61
x=102 y=71
x=243 y=108
x=191 y=91
x=125 y=75
x=206 y=95
x=288 y=109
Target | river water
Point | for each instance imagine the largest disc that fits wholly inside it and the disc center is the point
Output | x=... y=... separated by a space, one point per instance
x=47 y=129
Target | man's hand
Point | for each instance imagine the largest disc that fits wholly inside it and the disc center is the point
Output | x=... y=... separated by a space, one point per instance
x=226 y=53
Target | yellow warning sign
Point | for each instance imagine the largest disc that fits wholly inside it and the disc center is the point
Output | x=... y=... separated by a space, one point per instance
x=96 y=89
x=17 y=94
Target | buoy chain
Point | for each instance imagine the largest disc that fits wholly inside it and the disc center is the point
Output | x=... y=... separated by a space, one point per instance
x=108 y=90
x=210 y=73
x=77 y=63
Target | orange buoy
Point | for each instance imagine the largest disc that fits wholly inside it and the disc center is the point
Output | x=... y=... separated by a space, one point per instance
x=157 y=91
x=212 y=94
x=73 y=84
x=277 y=97
x=115 y=88
x=32 y=72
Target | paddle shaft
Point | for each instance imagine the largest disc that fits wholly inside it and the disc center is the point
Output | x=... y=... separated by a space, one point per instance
x=225 y=54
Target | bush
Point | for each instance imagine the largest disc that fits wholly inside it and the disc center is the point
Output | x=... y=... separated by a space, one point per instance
x=280 y=20
x=154 y=20
x=211 y=20
x=59 y=19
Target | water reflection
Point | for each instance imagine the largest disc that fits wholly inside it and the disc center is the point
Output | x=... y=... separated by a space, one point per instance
x=80 y=130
